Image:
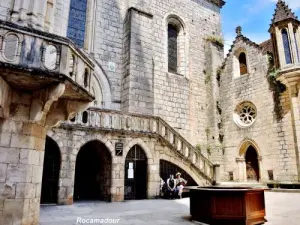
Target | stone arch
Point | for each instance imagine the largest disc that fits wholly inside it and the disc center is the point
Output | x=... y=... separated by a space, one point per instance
x=101 y=87
x=142 y=144
x=180 y=163
x=104 y=140
x=242 y=161
x=176 y=20
x=236 y=62
x=51 y=172
x=55 y=137
x=245 y=145
x=93 y=174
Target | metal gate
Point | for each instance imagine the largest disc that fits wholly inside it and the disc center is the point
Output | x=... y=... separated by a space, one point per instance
x=135 y=174
x=51 y=170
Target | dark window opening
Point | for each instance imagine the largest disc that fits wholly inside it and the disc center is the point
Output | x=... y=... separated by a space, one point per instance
x=77 y=20
x=270 y=174
x=243 y=63
x=86 y=78
x=85 y=117
x=286 y=46
x=231 y=176
x=172 y=48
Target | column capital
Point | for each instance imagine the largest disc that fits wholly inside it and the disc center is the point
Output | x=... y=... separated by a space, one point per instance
x=240 y=160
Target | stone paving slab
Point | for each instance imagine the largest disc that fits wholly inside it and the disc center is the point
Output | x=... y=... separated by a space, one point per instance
x=282 y=209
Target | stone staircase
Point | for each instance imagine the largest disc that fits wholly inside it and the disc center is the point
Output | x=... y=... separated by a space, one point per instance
x=110 y=120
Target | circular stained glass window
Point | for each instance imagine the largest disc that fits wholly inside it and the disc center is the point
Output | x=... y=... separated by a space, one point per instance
x=245 y=114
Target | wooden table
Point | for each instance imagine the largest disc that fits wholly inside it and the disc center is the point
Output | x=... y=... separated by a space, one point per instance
x=227 y=206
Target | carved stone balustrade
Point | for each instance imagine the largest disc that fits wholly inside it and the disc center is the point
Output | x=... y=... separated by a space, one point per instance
x=101 y=119
x=31 y=59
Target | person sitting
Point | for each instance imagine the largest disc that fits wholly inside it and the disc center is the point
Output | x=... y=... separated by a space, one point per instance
x=180 y=183
x=171 y=184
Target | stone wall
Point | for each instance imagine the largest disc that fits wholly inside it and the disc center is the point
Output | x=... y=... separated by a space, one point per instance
x=271 y=134
x=4 y=9
x=70 y=142
x=143 y=81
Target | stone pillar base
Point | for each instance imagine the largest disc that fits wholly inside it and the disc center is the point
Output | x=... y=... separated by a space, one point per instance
x=21 y=168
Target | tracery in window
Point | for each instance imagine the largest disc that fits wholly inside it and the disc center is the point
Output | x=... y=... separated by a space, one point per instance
x=245 y=114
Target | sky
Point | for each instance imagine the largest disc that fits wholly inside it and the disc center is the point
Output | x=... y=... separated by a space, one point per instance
x=254 y=16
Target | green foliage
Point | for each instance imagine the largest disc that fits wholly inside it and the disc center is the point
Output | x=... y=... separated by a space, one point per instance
x=207 y=78
x=276 y=86
x=218 y=40
x=208 y=149
x=198 y=147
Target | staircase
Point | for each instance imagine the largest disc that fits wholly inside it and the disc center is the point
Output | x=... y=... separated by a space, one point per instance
x=110 y=120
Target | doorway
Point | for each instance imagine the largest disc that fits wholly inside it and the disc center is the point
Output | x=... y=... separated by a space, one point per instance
x=252 y=165
x=93 y=173
x=136 y=174
x=52 y=160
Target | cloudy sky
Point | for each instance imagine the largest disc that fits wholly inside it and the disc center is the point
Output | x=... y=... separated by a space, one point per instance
x=253 y=15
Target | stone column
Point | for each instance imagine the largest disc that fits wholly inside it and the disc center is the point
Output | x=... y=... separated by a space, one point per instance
x=260 y=167
x=21 y=166
x=293 y=42
x=281 y=54
x=153 y=179
x=295 y=113
x=24 y=120
x=217 y=174
x=117 y=179
x=241 y=169
x=67 y=176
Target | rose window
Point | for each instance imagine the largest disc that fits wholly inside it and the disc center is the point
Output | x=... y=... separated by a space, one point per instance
x=245 y=114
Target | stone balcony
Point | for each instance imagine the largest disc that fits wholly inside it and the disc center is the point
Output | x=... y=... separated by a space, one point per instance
x=31 y=60
x=109 y=120
x=50 y=70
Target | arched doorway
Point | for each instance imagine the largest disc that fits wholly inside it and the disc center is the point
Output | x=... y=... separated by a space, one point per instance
x=168 y=168
x=52 y=161
x=136 y=174
x=93 y=172
x=252 y=165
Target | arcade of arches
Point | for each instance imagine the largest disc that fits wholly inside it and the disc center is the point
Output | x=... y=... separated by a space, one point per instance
x=98 y=174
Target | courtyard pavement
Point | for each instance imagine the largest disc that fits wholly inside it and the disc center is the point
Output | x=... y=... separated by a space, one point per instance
x=282 y=209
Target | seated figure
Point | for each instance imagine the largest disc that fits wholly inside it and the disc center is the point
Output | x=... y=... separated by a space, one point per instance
x=171 y=185
x=180 y=183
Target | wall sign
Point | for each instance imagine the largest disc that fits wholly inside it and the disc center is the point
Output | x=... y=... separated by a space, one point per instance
x=119 y=149
x=130 y=171
x=111 y=67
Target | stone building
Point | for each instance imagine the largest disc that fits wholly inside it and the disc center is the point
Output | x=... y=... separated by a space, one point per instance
x=101 y=99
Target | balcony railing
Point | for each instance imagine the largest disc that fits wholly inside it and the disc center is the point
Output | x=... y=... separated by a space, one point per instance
x=42 y=53
x=150 y=125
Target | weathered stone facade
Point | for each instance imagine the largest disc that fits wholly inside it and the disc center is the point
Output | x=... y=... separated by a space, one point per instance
x=211 y=118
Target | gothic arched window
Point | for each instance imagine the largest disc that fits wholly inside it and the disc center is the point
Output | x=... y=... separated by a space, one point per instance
x=243 y=63
x=286 y=46
x=172 y=48
x=297 y=44
x=77 y=20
